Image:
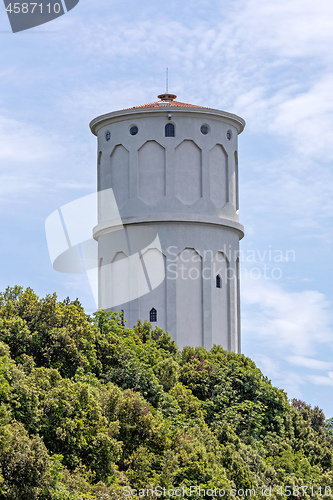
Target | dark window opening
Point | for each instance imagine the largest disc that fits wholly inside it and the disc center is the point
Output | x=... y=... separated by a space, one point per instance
x=169 y=130
x=99 y=159
x=153 y=315
x=218 y=281
x=204 y=129
x=134 y=130
x=108 y=135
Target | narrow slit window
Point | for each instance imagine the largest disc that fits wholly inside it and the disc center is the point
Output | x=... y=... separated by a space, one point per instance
x=169 y=130
x=153 y=315
x=218 y=281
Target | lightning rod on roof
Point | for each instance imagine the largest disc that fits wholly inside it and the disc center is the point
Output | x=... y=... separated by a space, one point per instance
x=167 y=80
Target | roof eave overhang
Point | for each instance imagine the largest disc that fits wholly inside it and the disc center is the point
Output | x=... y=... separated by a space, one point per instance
x=100 y=121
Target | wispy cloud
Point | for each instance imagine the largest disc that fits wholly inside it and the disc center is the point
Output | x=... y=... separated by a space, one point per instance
x=290 y=322
x=322 y=380
x=300 y=28
x=301 y=118
x=22 y=142
x=88 y=101
x=30 y=158
x=284 y=330
x=312 y=364
x=290 y=186
x=249 y=58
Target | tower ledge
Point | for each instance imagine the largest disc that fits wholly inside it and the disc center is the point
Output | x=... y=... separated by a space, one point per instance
x=166 y=104
x=111 y=225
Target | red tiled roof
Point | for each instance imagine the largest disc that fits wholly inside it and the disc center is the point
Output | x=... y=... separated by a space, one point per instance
x=167 y=100
x=165 y=104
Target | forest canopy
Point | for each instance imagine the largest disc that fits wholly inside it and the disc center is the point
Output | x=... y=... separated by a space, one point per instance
x=93 y=410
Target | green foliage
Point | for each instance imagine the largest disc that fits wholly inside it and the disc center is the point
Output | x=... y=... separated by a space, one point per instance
x=55 y=334
x=88 y=406
x=167 y=372
x=329 y=427
x=24 y=463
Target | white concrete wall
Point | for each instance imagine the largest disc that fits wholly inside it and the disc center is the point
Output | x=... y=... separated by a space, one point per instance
x=219 y=189
x=189 y=179
x=151 y=172
x=189 y=299
x=220 y=300
x=188 y=172
x=119 y=174
x=185 y=187
x=184 y=298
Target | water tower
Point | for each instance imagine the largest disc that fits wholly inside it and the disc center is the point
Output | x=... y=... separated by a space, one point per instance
x=173 y=170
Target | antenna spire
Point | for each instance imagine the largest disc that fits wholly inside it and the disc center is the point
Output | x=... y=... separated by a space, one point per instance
x=167 y=97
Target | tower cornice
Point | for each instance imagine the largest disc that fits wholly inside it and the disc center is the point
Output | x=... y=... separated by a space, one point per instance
x=100 y=121
x=114 y=225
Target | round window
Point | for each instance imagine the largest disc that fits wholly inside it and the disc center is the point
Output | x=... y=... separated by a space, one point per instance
x=204 y=129
x=134 y=130
x=229 y=135
x=108 y=135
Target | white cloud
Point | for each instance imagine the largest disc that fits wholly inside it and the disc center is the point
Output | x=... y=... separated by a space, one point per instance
x=22 y=142
x=313 y=364
x=23 y=147
x=301 y=118
x=269 y=366
x=283 y=330
x=281 y=375
x=236 y=32
x=246 y=59
x=32 y=160
x=307 y=118
x=88 y=101
x=289 y=29
x=321 y=380
x=289 y=322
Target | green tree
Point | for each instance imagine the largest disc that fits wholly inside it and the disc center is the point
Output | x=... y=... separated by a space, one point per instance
x=24 y=464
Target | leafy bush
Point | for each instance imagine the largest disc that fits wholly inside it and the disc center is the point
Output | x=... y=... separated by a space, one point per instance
x=88 y=406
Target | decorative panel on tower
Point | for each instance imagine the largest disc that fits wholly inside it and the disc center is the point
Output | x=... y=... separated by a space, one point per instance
x=220 y=298
x=218 y=176
x=120 y=174
x=236 y=180
x=188 y=172
x=99 y=161
x=151 y=172
x=120 y=278
x=155 y=260
x=189 y=298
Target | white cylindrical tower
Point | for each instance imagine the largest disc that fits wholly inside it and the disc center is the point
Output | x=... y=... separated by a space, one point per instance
x=173 y=170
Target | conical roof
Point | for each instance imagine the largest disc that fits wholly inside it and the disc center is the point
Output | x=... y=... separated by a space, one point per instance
x=167 y=100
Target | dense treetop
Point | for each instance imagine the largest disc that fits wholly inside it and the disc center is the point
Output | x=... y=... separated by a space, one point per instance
x=89 y=407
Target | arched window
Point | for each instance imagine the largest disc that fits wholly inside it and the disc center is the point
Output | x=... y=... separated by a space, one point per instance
x=153 y=315
x=169 y=130
x=218 y=281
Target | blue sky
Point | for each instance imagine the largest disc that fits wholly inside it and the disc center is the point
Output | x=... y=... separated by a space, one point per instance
x=269 y=62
